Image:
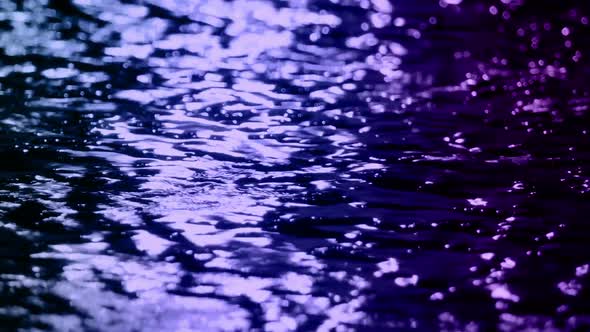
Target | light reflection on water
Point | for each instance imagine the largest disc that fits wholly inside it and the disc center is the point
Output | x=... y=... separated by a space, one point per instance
x=256 y=165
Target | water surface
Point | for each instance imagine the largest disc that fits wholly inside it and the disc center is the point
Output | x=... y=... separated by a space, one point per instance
x=294 y=165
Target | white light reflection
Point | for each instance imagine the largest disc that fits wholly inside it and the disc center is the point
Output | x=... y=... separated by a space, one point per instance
x=202 y=155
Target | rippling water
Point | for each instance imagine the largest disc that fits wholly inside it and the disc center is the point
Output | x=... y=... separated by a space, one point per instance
x=294 y=165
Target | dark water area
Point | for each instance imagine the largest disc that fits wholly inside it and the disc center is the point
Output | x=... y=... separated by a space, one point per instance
x=303 y=165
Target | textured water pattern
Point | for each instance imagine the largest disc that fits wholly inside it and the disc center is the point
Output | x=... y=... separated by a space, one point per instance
x=294 y=165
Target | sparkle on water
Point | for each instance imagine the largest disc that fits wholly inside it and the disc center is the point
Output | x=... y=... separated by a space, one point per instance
x=294 y=165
